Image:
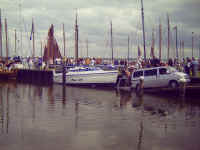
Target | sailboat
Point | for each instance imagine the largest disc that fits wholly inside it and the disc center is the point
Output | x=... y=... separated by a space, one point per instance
x=87 y=76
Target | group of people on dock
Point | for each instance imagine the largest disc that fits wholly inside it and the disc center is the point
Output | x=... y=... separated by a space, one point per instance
x=188 y=65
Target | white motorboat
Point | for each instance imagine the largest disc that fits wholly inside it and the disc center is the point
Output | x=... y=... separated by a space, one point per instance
x=87 y=76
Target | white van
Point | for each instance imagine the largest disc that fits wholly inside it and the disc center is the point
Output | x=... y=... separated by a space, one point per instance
x=164 y=76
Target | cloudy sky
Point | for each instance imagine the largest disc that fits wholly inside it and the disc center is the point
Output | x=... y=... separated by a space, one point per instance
x=94 y=17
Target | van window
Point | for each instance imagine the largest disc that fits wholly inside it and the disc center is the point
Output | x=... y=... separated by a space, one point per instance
x=162 y=70
x=152 y=72
x=138 y=74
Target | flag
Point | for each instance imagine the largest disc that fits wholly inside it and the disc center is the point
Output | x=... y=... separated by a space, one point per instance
x=32 y=30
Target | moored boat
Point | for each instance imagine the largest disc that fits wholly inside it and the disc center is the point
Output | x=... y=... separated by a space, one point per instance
x=87 y=76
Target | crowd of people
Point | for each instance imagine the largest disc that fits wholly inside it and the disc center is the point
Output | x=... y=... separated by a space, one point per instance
x=188 y=65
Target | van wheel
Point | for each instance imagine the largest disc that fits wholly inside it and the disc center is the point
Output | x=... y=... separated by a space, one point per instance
x=173 y=84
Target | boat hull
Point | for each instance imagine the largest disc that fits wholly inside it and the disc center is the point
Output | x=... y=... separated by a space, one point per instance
x=88 y=78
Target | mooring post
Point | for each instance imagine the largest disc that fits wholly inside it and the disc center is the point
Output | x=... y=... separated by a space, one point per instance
x=64 y=74
x=182 y=87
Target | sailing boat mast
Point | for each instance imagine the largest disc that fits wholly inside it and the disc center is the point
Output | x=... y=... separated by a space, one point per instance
x=153 y=45
x=15 y=43
x=87 y=46
x=168 y=43
x=6 y=33
x=183 y=49
x=160 y=40
x=180 y=48
x=76 y=39
x=41 y=48
x=128 y=48
x=142 y=12
x=20 y=23
x=192 y=44
x=175 y=28
x=0 y=36
x=33 y=38
x=111 y=40
x=64 y=38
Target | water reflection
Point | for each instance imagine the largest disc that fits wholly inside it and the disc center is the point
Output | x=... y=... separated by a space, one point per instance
x=125 y=97
x=36 y=117
x=64 y=96
x=1 y=111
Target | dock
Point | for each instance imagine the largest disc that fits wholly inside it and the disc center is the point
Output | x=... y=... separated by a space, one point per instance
x=44 y=77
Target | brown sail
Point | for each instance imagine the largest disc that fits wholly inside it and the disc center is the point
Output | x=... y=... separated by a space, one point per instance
x=51 y=50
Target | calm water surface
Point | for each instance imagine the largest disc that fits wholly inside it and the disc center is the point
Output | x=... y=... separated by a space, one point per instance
x=76 y=118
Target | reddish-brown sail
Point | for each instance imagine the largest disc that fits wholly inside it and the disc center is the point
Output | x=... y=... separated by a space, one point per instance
x=51 y=50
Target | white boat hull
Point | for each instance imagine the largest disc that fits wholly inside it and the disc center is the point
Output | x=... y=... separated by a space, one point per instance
x=84 y=78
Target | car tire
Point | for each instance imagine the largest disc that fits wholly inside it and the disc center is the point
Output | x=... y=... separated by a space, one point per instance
x=173 y=84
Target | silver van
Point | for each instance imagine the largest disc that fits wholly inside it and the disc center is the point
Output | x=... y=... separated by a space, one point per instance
x=164 y=76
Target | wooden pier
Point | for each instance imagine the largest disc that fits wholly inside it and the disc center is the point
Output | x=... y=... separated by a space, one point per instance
x=44 y=77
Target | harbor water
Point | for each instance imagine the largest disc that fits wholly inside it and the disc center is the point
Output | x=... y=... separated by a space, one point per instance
x=54 y=117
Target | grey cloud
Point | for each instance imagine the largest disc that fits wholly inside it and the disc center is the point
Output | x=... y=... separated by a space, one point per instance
x=94 y=18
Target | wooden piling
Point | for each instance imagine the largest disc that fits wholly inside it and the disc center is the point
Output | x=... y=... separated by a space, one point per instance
x=64 y=74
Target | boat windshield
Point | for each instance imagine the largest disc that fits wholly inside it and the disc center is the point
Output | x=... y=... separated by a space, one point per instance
x=82 y=69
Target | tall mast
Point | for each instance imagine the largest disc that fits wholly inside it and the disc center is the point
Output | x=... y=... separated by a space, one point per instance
x=183 y=49
x=111 y=40
x=142 y=11
x=180 y=49
x=87 y=46
x=192 y=44
x=199 y=48
x=76 y=39
x=168 y=43
x=64 y=39
x=176 y=41
x=128 y=48
x=153 y=45
x=15 y=43
x=33 y=32
x=160 y=40
x=6 y=33
x=20 y=18
x=41 y=49
x=0 y=36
